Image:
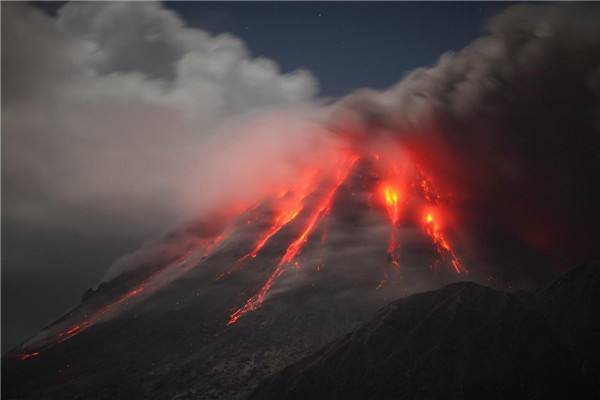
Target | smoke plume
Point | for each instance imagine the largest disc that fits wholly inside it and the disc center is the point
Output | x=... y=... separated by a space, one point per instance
x=119 y=122
x=510 y=126
x=110 y=130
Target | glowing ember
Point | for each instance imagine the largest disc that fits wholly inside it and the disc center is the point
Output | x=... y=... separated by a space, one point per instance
x=288 y=204
x=391 y=196
x=294 y=248
x=321 y=210
x=153 y=282
x=27 y=356
x=432 y=229
x=427 y=189
x=289 y=208
x=392 y=248
x=402 y=190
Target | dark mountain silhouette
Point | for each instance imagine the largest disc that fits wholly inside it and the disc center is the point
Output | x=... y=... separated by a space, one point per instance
x=462 y=341
x=175 y=342
x=162 y=329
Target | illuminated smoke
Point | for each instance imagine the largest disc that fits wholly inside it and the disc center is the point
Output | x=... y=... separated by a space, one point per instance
x=508 y=128
x=484 y=142
x=313 y=196
x=288 y=204
x=294 y=248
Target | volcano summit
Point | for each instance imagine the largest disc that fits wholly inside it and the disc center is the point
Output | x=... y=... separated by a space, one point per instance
x=282 y=240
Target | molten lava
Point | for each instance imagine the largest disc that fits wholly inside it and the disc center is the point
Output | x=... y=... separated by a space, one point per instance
x=288 y=207
x=401 y=187
x=392 y=195
x=288 y=204
x=322 y=208
x=428 y=191
x=27 y=356
x=151 y=283
x=431 y=227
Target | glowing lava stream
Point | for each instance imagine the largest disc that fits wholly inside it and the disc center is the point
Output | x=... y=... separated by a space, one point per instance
x=391 y=200
x=433 y=230
x=317 y=188
x=392 y=196
x=27 y=356
x=288 y=209
x=323 y=207
x=145 y=286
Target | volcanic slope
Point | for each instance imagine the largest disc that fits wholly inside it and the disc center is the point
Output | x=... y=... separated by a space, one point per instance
x=462 y=341
x=165 y=329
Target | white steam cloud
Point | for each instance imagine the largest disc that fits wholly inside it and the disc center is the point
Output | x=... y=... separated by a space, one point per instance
x=111 y=108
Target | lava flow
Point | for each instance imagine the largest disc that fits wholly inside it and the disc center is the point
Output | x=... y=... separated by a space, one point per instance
x=294 y=248
x=432 y=228
x=152 y=282
x=287 y=207
x=27 y=356
x=392 y=196
x=404 y=192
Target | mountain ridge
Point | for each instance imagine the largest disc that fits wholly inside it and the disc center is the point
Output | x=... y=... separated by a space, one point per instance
x=464 y=340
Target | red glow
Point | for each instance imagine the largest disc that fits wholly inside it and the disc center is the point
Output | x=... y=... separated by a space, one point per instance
x=150 y=284
x=294 y=248
x=288 y=204
x=429 y=192
x=396 y=168
x=392 y=195
x=27 y=356
x=401 y=191
x=288 y=208
x=321 y=210
x=432 y=227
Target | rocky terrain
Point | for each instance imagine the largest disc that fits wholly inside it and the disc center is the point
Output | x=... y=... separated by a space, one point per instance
x=462 y=341
x=174 y=341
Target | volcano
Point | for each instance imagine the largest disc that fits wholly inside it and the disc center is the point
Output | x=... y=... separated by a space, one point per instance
x=219 y=304
x=418 y=219
x=227 y=300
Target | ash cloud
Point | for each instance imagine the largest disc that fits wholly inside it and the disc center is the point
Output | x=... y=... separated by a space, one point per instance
x=113 y=104
x=110 y=136
x=510 y=124
x=120 y=121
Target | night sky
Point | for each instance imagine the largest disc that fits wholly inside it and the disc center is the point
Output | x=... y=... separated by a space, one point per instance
x=345 y=46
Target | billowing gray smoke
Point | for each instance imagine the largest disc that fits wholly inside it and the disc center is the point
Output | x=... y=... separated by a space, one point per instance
x=109 y=137
x=511 y=125
x=118 y=118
